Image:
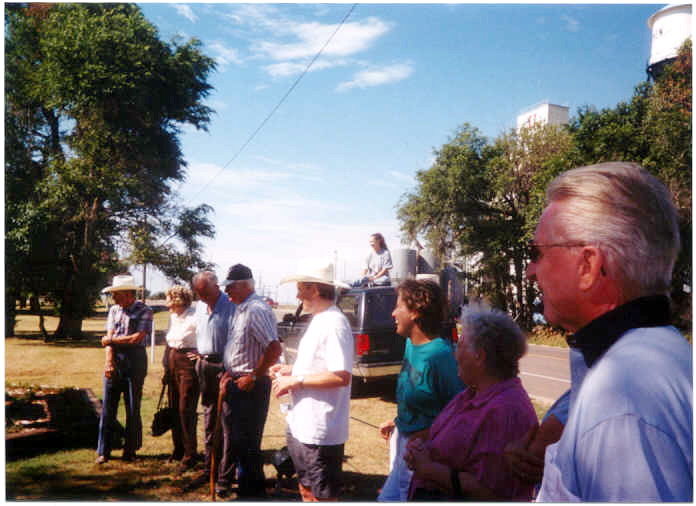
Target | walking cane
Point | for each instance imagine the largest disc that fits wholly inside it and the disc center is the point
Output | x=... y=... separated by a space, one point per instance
x=216 y=440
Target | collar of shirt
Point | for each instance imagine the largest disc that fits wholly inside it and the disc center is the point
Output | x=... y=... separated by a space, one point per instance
x=184 y=314
x=478 y=399
x=220 y=303
x=600 y=334
x=242 y=307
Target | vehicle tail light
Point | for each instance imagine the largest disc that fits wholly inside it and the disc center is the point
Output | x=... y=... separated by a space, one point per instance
x=455 y=336
x=362 y=344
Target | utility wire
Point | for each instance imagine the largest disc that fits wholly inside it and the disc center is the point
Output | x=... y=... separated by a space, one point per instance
x=277 y=106
x=273 y=111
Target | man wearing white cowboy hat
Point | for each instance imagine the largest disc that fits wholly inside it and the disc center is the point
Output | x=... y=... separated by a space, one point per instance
x=127 y=325
x=321 y=376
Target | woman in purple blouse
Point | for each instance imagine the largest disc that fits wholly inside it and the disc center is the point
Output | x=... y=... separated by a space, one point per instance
x=462 y=455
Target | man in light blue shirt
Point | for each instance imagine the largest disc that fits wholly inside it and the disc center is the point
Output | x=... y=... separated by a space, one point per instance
x=603 y=255
x=214 y=312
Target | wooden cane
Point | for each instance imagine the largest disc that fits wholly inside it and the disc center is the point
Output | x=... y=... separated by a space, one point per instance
x=216 y=440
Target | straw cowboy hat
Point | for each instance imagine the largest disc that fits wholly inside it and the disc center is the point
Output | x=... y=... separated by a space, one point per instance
x=121 y=283
x=315 y=272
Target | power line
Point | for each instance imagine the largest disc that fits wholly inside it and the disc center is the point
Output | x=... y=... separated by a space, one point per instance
x=273 y=111
x=277 y=106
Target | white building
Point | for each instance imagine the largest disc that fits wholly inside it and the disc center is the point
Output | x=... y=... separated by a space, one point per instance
x=543 y=113
x=670 y=27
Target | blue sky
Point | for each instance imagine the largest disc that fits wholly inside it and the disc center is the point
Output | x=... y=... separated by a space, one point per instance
x=395 y=82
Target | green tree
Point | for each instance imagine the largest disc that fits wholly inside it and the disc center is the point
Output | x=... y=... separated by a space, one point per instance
x=526 y=160
x=94 y=103
x=655 y=130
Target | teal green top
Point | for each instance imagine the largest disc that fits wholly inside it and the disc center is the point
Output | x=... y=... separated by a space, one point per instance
x=427 y=382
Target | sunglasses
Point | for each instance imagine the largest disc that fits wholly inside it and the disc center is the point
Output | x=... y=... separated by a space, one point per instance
x=534 y=249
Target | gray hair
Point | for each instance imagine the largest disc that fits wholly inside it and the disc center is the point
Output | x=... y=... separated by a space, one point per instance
x=629 y=215
x=209 y=276
x=180 y=294
x=498 y=335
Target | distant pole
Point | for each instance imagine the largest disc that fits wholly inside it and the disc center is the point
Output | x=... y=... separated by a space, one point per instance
x=144 y=279
x=152 y=343
x=335 y=265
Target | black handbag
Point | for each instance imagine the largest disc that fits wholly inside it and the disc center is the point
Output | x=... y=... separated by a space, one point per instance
x=164 y=416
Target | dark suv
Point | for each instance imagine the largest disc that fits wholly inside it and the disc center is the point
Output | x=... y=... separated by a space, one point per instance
x=379 y=350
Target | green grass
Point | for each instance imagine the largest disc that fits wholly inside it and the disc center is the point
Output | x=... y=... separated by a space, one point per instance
x=543 y=334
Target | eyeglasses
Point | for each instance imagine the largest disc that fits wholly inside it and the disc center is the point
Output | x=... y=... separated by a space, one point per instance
x=534 y=249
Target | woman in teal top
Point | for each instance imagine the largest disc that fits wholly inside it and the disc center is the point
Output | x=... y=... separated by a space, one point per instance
x=428 y=378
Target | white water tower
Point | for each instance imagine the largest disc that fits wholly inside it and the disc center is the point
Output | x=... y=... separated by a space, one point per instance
x=670 y=27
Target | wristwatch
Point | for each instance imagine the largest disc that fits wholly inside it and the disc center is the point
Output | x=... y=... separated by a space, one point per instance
x=300 y=379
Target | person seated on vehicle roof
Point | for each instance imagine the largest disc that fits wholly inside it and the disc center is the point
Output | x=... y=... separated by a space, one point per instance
x=379 y=263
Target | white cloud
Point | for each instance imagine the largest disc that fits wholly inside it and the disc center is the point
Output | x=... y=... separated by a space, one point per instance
x=186 y=11
x=353 y=37
x=378 y=76
x=572 y=24
x=289 y=68
x=224 y=55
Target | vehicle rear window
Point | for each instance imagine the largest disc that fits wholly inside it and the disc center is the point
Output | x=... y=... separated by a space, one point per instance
x=378 y=309
x=349 y=304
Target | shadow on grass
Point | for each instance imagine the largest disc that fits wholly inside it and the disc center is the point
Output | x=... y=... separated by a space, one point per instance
x=361 y=487
x=383 y=387
x=149 y=478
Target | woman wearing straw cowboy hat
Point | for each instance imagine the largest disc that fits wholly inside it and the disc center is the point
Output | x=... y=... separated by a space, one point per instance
x=319 y=384
x=128 y=323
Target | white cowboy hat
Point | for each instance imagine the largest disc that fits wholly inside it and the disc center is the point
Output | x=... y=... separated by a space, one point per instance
x=121 y=282
x=313 y=271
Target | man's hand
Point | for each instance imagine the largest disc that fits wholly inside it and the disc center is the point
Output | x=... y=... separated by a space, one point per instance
x=525 y=457
x=106 y=340
x=109 y=362
x=246 y=382
x=192 y=356
x=283 y=384
x=280 y=370
x=521 y=461
x=386 y=429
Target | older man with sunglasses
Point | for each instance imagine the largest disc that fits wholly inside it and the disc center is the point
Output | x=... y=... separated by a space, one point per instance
x=603 y=256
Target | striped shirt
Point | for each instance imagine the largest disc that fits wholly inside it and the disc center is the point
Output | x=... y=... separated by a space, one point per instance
x=135 y=318
x=253 y=328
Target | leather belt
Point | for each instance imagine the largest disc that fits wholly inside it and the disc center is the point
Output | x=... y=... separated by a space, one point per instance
x=212 y=357
x=236 y=375
x=185 y=350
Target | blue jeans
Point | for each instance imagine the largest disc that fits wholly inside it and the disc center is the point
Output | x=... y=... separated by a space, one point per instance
x=128 y=378
x=399 y=479
x=380 y=281
x=243 y=418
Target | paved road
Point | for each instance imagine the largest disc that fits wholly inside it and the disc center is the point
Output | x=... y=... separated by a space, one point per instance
x=545 y=372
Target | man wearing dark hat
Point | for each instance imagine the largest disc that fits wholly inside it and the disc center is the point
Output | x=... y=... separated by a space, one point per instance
x=319 y=385
x=252 y=347
x=127 y=325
